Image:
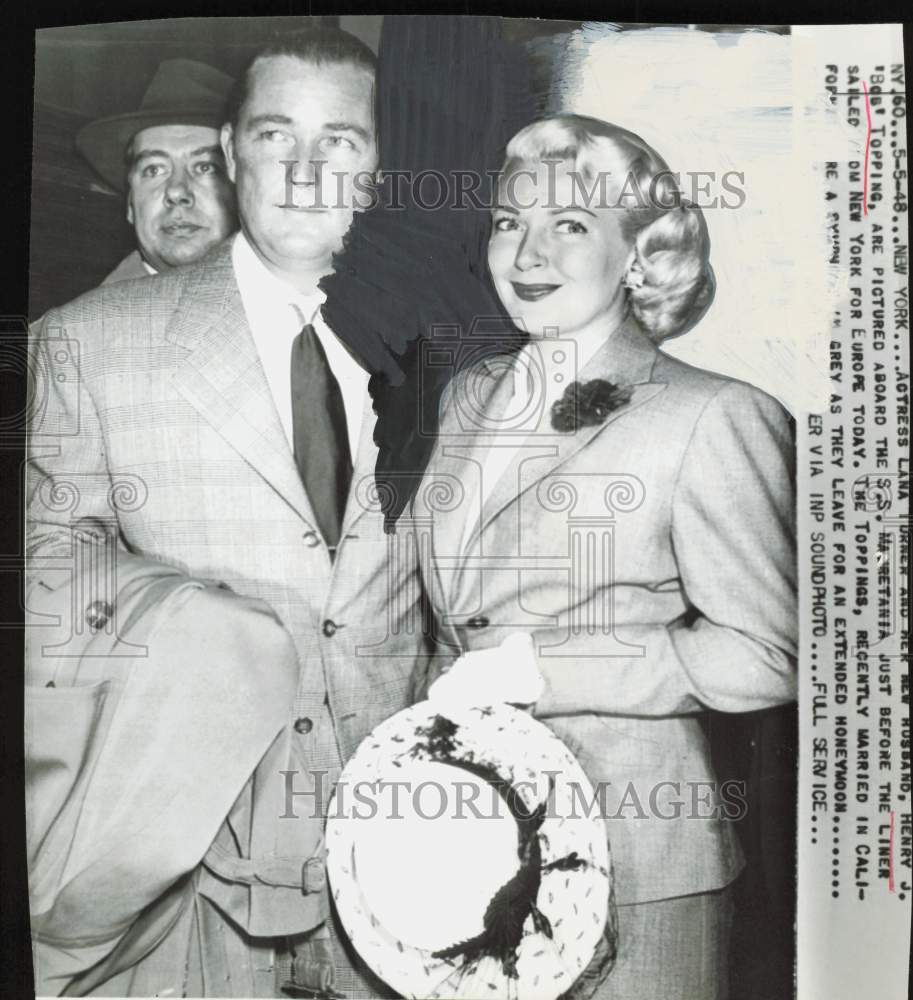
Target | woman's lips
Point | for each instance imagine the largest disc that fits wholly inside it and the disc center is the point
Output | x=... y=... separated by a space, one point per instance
x=532 y=293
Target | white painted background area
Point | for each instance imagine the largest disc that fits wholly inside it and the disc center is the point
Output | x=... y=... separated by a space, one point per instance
x=750 y=102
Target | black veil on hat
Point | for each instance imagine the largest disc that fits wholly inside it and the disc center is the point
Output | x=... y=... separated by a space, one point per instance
x=182 y=92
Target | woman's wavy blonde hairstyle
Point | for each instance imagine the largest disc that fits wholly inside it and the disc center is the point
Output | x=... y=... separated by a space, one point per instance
x=671 y=283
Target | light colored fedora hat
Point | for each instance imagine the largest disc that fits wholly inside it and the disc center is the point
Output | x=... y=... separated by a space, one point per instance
x=463 y=860
x=182 y=92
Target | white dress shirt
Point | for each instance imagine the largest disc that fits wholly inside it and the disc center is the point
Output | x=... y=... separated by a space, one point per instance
x=276 y=313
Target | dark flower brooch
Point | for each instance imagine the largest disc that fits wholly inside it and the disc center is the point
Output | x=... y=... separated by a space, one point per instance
x=585 y=404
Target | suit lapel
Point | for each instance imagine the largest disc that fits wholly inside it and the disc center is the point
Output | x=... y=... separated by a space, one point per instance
x=222 y=376
x=627 y=358
x=478 y=404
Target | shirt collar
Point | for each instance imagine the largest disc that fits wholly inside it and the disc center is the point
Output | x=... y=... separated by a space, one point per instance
x=262 y=292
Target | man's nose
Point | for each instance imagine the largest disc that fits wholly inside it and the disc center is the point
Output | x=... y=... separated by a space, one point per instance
x=530 y=253
x=313 y=162
x=179 y=190
x=308 y=162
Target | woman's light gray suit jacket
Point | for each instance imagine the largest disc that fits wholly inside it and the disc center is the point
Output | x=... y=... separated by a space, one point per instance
x=652 y=557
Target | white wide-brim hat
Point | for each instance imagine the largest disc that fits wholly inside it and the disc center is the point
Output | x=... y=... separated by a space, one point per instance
x=466 y=857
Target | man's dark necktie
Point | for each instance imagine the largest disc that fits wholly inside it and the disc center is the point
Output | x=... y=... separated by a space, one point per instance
x=320 y=436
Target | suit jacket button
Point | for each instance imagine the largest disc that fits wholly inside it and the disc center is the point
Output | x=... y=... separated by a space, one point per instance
x=329 y=628
x=480 y=621
x=303 y=725
x=310 y=539
x=98 y=613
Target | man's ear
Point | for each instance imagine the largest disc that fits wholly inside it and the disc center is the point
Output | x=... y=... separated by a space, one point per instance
x=227 y=141
x=130 y=207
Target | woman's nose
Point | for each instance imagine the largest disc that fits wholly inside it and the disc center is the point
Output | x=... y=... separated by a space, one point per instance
x=530 y=253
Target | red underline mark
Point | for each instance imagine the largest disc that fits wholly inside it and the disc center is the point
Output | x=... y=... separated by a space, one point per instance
x=891 y=856
x=865 y=166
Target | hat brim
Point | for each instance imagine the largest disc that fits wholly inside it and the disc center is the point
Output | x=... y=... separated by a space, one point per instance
x=104 y=142
x=574 y=898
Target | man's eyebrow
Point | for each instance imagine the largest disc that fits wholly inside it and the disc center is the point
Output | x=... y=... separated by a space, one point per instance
x=571 y=208
x=213 y=150
x=274 y=117
x=280 y=119
x=362 y=133
x=150 y=152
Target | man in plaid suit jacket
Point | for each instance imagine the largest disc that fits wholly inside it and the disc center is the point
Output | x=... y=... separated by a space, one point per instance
x=161 y=421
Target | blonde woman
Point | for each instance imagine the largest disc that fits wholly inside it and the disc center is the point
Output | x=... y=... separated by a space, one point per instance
x=633 y=515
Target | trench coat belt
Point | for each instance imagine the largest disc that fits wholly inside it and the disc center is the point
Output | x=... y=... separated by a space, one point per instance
x=308 y=874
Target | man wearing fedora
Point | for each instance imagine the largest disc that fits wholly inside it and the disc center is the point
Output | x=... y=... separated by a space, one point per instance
x=202 y=456
x=166 y=157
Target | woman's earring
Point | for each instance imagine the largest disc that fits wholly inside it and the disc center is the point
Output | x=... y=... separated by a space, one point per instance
x=634 y=276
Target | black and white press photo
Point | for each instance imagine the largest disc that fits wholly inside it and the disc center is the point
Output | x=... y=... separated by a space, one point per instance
x=466 y=510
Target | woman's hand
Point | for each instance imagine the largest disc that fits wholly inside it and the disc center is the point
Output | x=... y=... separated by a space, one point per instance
x=503 y=674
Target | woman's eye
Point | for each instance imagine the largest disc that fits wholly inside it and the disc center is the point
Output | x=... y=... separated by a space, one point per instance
x=505 y=224
x=570 y=226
